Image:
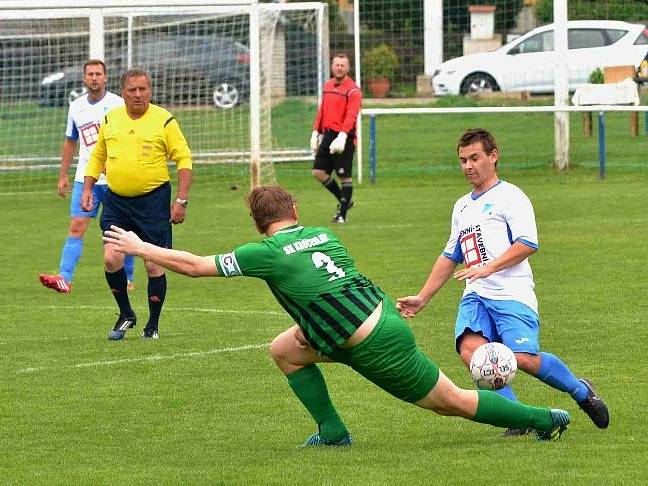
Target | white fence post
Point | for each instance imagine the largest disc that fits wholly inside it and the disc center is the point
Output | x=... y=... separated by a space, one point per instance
x=432 y=35
x=561 y=86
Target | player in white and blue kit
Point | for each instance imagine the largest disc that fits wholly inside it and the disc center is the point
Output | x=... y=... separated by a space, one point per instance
x=493 y=233
x=84 y=118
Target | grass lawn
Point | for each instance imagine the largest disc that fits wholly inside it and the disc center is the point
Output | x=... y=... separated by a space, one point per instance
x=205 y=403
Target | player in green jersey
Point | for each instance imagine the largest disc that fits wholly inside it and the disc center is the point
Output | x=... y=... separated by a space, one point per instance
x=341 y=316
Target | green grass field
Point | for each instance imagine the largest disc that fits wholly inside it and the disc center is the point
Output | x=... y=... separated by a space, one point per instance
x=205 y=404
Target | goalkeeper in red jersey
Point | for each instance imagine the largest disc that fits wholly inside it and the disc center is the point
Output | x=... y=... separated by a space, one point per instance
x=334 y=135
x=341 y=316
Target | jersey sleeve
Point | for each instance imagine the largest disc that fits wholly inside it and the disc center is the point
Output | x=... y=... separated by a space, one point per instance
x=177 y=148
x=354 y=102
x=71 y=132
x=251 y=260
x=520 y=219
x=452 y=249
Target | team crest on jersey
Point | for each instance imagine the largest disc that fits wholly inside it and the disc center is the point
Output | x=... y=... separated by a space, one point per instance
x=90 y=134
x=472 y=246
x=229 y=265
x=487 y=207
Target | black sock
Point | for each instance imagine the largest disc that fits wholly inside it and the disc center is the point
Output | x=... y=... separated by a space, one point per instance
x=332 y=185
x=118 y=283
x=157 y=287
x=345 y=200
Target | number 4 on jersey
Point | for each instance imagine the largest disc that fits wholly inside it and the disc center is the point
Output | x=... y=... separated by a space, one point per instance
x=320 y=259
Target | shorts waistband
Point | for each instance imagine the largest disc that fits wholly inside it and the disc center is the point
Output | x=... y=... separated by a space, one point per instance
x=164 y=186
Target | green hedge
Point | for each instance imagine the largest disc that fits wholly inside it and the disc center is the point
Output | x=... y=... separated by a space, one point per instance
x=627 y=10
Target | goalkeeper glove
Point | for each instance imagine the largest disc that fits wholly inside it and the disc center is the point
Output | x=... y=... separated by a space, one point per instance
x=337 y=145
x=315 y=141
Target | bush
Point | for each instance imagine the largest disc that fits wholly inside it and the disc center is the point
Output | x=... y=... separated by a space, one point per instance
x=380 y=62
x=596 y=77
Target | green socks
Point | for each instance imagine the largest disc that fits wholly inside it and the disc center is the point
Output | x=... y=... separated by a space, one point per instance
x=310 y=387
x=496 y=410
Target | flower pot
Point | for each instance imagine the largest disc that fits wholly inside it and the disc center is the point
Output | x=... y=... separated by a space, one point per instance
x=379 y=87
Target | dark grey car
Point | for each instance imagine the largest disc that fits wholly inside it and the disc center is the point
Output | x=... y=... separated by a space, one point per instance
x=185 y=69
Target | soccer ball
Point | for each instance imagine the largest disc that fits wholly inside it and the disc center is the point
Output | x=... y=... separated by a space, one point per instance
x=493 y=366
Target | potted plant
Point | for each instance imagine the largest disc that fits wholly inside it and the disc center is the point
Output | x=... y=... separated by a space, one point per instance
x=379 y=66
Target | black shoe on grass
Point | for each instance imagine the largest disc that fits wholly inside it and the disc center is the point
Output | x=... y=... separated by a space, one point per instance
x=150 y=334
x=594 y=406
x=123 y=324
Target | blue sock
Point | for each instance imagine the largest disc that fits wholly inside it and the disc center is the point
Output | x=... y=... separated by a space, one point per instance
x=507 y=392
x=129 y=266
x=555 y=373
x=70 y=256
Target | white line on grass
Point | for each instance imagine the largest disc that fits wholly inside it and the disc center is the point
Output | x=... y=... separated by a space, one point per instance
x=166 y=309
x=192 y=354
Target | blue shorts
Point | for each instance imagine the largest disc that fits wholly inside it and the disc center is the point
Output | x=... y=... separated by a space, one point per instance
x=148 y=216
x=504 y=321
x=98 y=191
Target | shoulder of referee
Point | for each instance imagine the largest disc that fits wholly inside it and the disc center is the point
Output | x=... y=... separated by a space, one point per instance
x=114 y=113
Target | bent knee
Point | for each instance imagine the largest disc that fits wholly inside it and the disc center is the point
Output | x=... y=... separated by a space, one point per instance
x=281 y=346
x=529 y=363
x=465 y=354
x=276 y=350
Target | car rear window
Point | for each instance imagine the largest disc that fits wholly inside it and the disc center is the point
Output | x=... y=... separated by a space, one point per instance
x=642 y=40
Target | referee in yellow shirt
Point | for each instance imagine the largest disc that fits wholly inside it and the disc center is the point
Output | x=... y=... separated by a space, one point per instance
x=134 y=144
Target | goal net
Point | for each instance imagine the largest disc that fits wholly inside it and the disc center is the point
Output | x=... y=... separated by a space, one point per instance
x=224 y=71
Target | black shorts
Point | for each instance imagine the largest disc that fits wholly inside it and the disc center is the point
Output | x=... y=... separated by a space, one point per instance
x=342 y=163
x=148 y=216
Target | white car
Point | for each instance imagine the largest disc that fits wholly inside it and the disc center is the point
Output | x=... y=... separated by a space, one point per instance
x=527 y=63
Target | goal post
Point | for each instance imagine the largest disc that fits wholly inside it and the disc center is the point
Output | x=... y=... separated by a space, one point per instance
x=222 y=68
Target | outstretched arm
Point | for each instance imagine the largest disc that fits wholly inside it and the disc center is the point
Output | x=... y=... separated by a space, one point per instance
x=441 y=271
x=181 y=262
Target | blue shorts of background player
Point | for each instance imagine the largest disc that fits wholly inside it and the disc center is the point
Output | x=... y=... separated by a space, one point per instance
x=98 y=191
x=516 y=325
x=73 y=247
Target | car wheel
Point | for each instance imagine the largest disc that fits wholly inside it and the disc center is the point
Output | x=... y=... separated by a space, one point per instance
x=74 y=93
x=479 y=83
x=226 y=95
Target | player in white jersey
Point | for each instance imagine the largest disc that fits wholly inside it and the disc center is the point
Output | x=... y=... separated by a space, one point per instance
x=84 y=118
x=493 y=232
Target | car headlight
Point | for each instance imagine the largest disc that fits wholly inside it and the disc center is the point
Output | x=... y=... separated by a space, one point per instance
x=52 y=77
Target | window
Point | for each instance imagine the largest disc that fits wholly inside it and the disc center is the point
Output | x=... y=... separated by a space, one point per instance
x=586 y=38
x=542 y=42
x=614 y=35
x=642 y=40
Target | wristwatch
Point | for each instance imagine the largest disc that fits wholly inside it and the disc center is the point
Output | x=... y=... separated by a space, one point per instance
x=182 y=202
